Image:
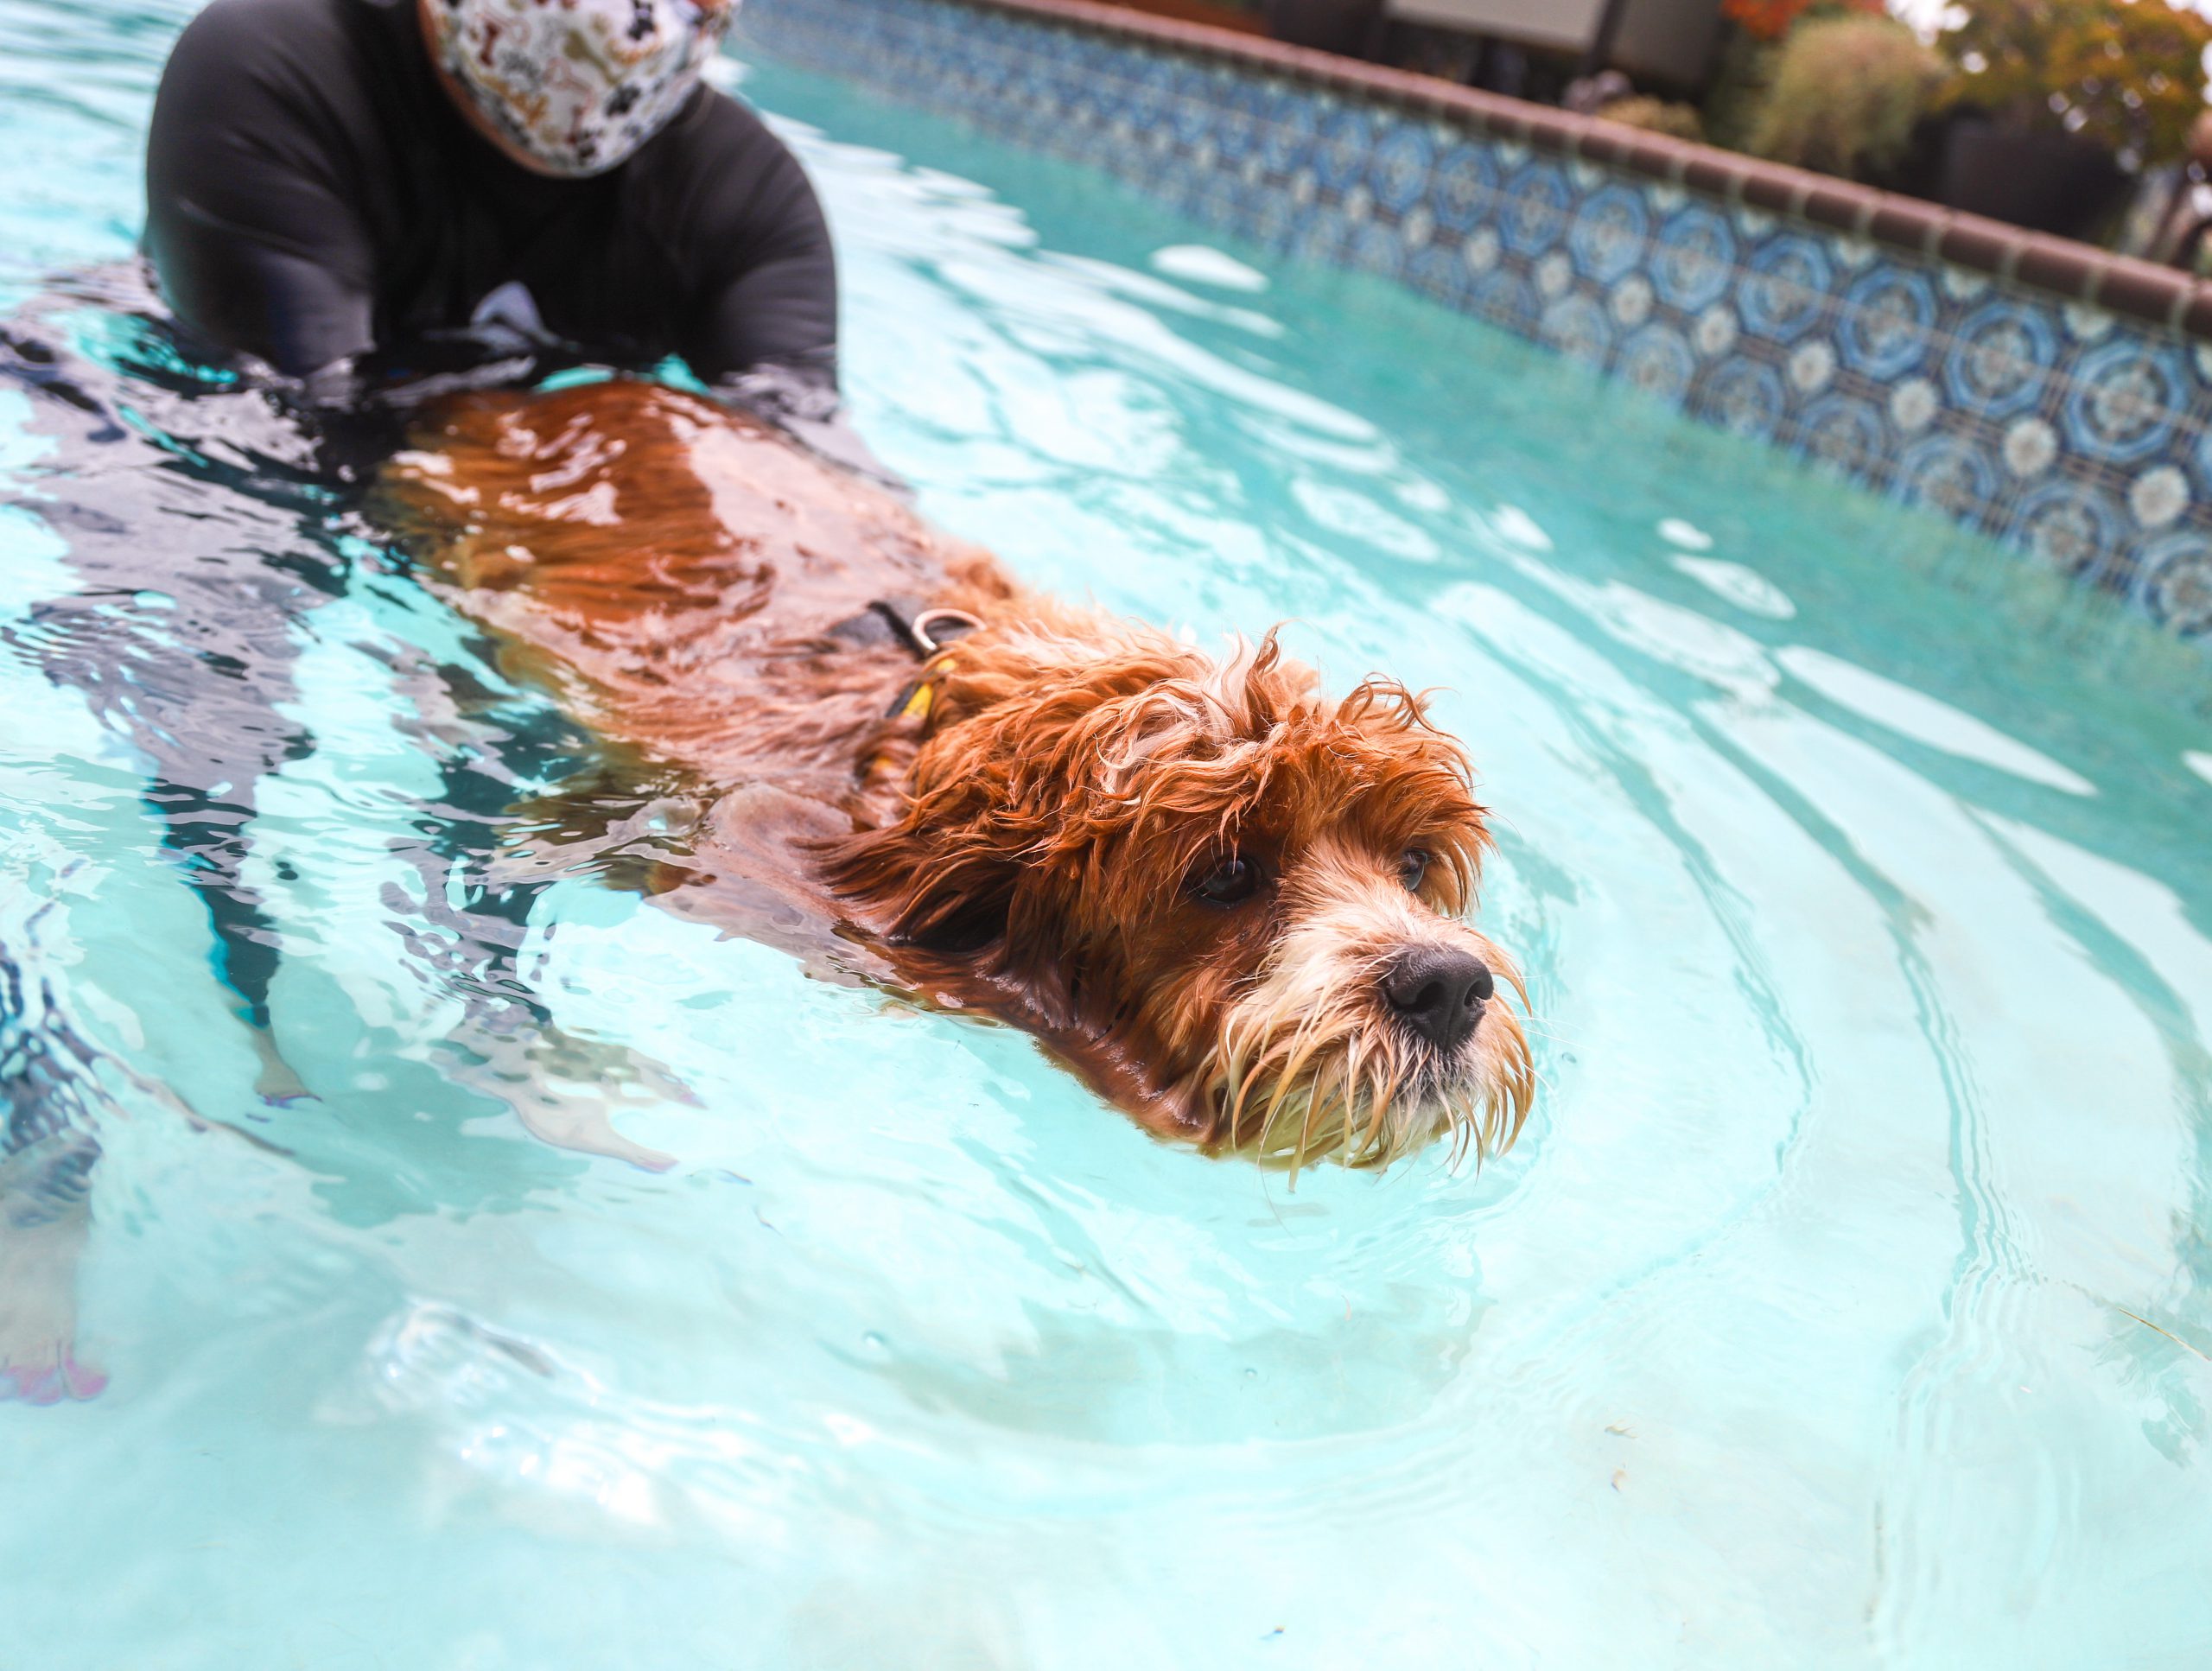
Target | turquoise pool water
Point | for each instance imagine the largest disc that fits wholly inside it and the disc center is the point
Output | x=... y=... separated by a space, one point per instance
x=1845 y=1302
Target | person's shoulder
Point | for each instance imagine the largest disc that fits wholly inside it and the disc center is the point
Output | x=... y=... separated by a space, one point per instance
x=712 y=125
x=278 y=68
x=242 y=33
x=717 y=154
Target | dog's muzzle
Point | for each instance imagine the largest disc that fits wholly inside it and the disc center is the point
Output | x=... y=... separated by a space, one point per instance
x=1437 y=993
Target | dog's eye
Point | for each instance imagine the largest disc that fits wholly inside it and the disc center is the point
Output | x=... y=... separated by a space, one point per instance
x=1229 y=883
x=1413 y=866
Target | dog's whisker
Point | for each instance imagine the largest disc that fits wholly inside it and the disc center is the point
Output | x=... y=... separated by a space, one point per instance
x=1241 y=1073
x=1383 y=1100
x=1354 y=1091
x=1297 y=1054
x=1373 y=1081
x=1305 y=1135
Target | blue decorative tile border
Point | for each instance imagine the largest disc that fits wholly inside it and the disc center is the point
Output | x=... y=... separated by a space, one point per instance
x=2077 y=435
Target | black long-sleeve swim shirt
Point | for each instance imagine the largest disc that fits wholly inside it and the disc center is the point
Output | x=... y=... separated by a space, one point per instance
x=313 y=195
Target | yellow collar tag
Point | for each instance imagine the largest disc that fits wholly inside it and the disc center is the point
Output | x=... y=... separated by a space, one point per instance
x=923 y=697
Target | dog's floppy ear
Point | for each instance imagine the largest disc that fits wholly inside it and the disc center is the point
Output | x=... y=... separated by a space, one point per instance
x=943 y=875
x=1021 y=777
x=943 y=887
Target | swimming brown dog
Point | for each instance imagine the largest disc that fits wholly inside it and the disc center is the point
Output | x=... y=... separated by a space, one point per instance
x=1233 y=905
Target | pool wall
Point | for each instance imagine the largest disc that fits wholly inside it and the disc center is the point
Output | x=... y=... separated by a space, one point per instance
x=2041 y=392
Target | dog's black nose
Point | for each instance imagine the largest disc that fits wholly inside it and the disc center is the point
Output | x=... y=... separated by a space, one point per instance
x=1439 y=992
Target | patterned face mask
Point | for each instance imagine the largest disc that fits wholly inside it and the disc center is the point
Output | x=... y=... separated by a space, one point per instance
x=576 y=86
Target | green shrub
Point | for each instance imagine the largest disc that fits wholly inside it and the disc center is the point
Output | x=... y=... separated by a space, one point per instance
x=1846 y=94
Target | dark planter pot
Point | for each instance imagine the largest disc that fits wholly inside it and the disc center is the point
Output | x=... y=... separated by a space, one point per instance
x=1340 y=25
x=2048 y=183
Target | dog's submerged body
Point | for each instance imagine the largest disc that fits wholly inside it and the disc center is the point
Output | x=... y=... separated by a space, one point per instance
x=1230 y=902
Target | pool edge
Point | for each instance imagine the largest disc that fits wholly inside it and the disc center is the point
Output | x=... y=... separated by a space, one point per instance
x=2052 y=397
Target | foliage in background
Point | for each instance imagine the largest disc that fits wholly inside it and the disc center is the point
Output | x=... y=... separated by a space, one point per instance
x=1656 y=116
x=1770 y=20
x=1740 y=78
x=1749 y=54
x=2126 y=73
x=1846 y=93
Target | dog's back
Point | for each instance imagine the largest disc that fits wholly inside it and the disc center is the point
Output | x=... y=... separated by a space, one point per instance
x=690 y=582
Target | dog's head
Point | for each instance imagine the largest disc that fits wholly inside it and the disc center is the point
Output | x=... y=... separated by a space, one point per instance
x=1212 y=885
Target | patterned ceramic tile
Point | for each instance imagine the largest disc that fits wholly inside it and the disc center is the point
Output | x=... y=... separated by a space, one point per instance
x=1883 y=329
x=2081 y=440
x=2068 y=527
x=2173 y=581
x=1783 y=287
x=1658 y=359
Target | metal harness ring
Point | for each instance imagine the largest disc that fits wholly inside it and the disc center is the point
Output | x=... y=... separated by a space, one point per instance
x=927 y=642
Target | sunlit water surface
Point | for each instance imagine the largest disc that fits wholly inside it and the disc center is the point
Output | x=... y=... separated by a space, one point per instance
x=1844 y=1302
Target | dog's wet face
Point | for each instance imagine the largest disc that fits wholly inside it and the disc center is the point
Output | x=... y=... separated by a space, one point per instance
x=1202 y=877
x=1359 y=1016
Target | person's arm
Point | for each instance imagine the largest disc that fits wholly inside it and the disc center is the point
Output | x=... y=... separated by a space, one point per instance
x=747 y=233
x=763 y=335
x=781 y=309
x=249 y=229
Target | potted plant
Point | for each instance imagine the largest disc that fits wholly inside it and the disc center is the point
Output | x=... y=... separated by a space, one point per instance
x=1847 y=92
x=1750 y=47
x=2056 y=103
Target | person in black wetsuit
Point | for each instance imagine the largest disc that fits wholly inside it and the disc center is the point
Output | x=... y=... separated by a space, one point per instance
x=340 y=187
x=354 y=198
x=341 y=194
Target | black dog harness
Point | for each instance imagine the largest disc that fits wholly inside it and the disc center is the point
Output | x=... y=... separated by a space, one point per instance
x=924 y=632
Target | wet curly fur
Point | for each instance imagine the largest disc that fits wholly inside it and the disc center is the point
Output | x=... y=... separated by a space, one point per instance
x=1212 y=890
